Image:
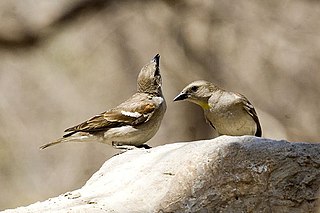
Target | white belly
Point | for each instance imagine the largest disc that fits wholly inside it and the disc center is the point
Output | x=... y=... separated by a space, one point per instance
x=136 y=135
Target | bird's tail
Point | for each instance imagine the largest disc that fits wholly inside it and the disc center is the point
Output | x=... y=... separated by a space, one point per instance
x=52 y=143
x=78 y=137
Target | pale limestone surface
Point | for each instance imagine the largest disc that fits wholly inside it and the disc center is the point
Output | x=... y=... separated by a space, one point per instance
x=225 y=174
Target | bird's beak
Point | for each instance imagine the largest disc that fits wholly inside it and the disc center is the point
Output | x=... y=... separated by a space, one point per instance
x=156 y=59
x=181 y=96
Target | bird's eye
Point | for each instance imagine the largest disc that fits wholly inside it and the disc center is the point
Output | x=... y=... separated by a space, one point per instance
x=194 y=88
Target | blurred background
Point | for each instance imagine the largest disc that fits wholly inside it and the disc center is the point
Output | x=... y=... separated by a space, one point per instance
x=62 y=62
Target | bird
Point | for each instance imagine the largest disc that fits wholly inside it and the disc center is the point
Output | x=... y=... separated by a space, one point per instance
x=131 y=123
x=227 y=112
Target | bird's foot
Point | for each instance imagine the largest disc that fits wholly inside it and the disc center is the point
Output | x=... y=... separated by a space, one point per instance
x=122 y=148
x=145 y=146
x=126 y=147
x=117 y=145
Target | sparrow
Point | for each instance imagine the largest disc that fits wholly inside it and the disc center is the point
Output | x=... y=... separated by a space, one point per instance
x=227 y=112
x=133 y=122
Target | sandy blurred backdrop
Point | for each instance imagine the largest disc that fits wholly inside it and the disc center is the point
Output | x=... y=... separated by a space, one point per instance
x=62 y=62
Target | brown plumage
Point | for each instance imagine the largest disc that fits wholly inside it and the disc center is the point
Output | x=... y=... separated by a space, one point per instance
x=133 y=122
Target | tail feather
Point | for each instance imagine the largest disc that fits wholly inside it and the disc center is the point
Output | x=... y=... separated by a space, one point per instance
x=259 y=130
x=79 y=137
x=51 y=144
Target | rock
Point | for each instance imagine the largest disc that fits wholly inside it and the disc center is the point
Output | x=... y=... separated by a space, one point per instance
x=225 y=174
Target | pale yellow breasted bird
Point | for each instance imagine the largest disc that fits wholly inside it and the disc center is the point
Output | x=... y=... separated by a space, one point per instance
x=227 y=112
x=133 y=122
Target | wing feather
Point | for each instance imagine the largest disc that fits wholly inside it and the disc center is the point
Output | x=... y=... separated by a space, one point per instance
x=252 y=112
x=134 y=113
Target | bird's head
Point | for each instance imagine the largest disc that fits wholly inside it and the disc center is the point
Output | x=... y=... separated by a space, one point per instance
x=197 y=92
x=149 y=78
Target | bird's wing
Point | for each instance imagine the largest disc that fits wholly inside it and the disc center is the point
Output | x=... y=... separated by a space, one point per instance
x=132 y=112
x=209 y=122
x=252 y=112
x=115 y=118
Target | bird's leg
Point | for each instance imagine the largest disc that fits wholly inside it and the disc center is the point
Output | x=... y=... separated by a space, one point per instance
x=125 y=148
x=118 y=145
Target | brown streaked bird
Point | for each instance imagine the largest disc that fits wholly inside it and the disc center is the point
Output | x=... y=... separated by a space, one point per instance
x=227 y=112
x=133 y=122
